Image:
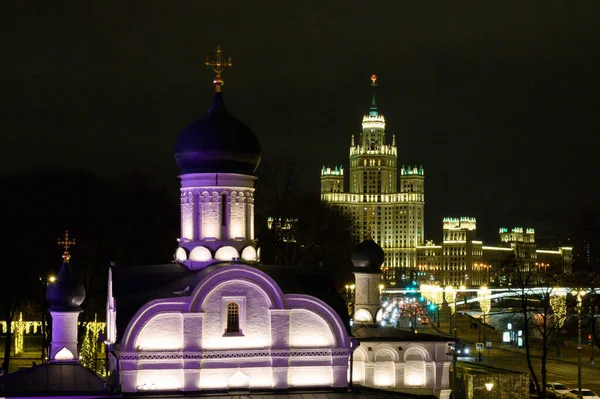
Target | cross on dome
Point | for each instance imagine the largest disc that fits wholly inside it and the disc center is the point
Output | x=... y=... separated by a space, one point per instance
x=66 y=243
x=218 y=66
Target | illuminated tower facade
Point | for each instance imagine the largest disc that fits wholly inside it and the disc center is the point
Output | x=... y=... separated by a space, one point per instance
x=217 y=155
x=392 y=214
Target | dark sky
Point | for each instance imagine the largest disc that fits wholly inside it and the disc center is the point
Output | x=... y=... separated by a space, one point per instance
x=497 y=100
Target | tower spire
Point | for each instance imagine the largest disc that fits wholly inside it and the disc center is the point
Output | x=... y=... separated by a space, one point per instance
x=218 y=64
x=66 y=243
x=373 y=109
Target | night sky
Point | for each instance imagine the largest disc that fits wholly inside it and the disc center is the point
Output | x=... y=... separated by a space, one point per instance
x=498 y=102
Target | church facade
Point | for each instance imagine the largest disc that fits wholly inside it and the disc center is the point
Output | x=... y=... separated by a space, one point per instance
x=393 y=214
x=236 y=330
x=213 y=320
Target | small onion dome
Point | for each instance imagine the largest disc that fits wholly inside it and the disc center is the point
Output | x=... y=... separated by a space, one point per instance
x=66 y=292
x=367 y=256
x=217 y=143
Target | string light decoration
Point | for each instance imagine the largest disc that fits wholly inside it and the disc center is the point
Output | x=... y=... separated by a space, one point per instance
x=485 y=299
x=425 y=290
x=438 y=295
x=558 y=302
x=88 y=354
x=19 y=330
x=450 y=294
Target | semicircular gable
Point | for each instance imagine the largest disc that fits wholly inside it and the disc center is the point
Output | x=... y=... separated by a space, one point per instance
x=226 y=253
x=249 y=254
x=225 y=274
x=200 y=254
x=386 y=353
x=363 y=315
x=146 y=314
x=333 y=320
x=416 y=352
x=360 y=354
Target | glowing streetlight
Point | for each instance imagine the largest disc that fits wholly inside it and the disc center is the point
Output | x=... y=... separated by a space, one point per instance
x=52 y=279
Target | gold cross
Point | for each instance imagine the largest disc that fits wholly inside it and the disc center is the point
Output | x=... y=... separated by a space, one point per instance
x=66 y=243
x=218 y=65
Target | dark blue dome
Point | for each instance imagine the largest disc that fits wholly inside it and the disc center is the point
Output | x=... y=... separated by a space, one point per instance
x=66 y=292
x=368 y=257
x=217 y=143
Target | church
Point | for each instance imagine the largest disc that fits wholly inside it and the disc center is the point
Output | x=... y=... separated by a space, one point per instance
x=216 y=319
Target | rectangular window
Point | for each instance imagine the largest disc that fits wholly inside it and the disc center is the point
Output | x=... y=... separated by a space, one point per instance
x=233 y=315
x=233 y=318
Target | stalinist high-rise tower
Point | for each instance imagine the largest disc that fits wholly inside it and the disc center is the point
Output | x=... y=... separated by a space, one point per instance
x=392 y=214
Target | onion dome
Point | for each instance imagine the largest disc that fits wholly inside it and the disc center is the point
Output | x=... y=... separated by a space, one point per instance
x=217 y=143
x=367 y=257
x=65 y=292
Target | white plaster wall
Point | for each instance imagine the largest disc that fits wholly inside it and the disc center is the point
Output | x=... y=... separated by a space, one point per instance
x=310 y=376
x=187 y=215
x=255 y=320
x=418 y=365
x=191 y=351
x=211 y=225
x=234 y=377
x=250 y=218
x=64 y=333
x=237 y=224
x=201 y=208
x=159 y=380
x=367 y=289
x=308 y=329
x=164 y=331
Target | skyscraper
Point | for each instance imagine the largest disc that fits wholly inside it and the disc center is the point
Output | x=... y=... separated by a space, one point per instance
x=392 y=214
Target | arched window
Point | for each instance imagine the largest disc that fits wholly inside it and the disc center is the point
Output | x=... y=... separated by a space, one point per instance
x=223 y=210
x=233 y=318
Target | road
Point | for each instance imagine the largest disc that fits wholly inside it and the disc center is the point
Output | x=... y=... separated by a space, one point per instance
x=557 y=371
x=509 y=358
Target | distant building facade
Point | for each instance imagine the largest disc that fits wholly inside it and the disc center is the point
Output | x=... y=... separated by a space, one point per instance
x=393 y=215
x=463 y=260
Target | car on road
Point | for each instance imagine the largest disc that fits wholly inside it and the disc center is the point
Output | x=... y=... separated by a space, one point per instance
x=585 y=393
x=424 y=320
x=556 y=389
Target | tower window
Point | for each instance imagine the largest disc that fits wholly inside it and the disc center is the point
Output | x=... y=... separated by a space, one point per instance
x=233 y=318
x=223 y=209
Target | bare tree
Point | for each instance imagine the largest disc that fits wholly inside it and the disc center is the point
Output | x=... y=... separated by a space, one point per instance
x=540 y=318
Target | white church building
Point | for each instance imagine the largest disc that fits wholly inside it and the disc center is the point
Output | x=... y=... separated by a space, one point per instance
x=216 y=320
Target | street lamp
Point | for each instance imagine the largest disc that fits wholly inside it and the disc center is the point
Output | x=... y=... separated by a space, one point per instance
x=579 y=294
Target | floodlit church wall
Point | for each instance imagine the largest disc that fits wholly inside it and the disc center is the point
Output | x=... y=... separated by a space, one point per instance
x=283 y=340
x=237 y=206
x=163 y=331
x=308 y=329
x=254 y=317
x=401 y=365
